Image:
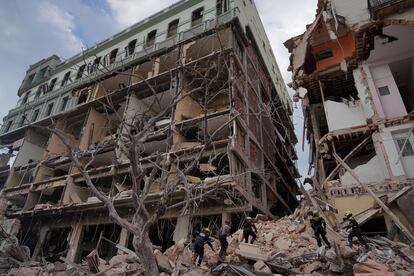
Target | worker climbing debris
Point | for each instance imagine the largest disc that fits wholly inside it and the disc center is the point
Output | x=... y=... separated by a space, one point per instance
x=202 y=238
x=224 y=231
x=355 y=230
x=249 y=230
x=318 y=225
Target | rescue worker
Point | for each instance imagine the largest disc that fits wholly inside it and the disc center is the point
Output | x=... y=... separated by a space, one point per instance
x=249 y=230
x=202 y=238
x=319 y=228
x=224 y=231
x=355 y=230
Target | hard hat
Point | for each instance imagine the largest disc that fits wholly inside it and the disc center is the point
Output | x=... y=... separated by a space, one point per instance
x=206 y=230
x=315 y=212
x=248 y=218
x=348 y=214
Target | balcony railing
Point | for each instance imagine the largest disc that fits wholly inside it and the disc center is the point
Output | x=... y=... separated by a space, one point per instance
x=157 y=47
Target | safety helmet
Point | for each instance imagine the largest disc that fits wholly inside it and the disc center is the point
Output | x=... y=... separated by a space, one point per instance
x=348 y=214
x=315 y=212
x=206 y=230
x=248 y=218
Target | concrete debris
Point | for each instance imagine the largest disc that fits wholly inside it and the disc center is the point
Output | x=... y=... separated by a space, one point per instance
x=372 y=268
x=163 y=262
x=260 y=266
x=284 y=247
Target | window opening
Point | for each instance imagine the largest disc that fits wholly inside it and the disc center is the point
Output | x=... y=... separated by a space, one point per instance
x=49 y=109
x=172 y=28
x=52 y=84
x=66 y=78
x=197 y=17
x=112 y=56
x=64 y=103
x=130 y=49
x=35 y=115
x=151 y=38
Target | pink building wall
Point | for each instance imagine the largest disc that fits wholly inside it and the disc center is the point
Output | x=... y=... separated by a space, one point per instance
x=388 y=106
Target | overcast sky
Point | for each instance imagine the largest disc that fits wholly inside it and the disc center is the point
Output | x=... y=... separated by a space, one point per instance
x=32 y=30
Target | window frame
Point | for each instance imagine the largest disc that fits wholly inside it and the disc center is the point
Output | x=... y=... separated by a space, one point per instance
x=64 y=104
x=65 y=79
x=49 y=109
x=150 y=39
x=175 y=23
x=112 y=55
x=35 y=115
x=195 y=21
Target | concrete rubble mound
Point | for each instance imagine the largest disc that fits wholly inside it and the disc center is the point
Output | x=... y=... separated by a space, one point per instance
x=285 y=246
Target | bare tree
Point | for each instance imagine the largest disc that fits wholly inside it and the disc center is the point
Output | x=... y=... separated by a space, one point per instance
x=204 y=81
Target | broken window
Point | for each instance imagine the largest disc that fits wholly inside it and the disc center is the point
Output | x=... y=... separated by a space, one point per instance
x=42 y=73
x=106 y=60
x=112 y=56
x=83 y=95
x=30 y=78
x=408 y=148
x=197 y=17
x=44 y=88
x=80 y=71
x=25 y=97
x=49 y=109
x=52 y=84
x=22 y=120
x=96 y=63
x=9 y=124
x=151 y=38
x=173 y=28
x=222 y=6
x=64 y=103
x=91 y=240
x=35 y=115
x=130 y=49
x=38 y=93
x=56 y=244
x=66 y=78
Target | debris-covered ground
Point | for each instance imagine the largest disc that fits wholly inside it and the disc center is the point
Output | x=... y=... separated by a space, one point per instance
x=285 y=246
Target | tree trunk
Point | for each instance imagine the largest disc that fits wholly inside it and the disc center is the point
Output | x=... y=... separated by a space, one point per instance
x=145 y=254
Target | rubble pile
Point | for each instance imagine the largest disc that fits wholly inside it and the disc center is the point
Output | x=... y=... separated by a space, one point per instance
x=285 y=246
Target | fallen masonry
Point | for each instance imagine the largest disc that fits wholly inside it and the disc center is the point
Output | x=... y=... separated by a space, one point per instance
x=285 y=246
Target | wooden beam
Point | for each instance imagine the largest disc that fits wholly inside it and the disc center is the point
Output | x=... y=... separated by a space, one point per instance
x=349 y=155
x=333 y=224
x=396 y=220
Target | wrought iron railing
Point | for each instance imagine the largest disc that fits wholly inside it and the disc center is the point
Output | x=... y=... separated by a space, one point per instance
x=376 y=6
x=159 y=46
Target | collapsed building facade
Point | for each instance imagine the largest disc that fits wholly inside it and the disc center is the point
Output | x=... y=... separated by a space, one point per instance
x=94 y=97
x=353 y=69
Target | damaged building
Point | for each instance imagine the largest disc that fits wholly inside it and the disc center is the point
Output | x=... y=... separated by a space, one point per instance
x=353 y=70
x=238 y=125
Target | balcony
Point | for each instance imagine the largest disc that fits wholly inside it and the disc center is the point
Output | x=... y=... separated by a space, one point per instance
x=382 y=8
x=131 y=59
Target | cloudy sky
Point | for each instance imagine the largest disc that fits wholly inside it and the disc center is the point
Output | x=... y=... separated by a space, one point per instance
x=32 y=30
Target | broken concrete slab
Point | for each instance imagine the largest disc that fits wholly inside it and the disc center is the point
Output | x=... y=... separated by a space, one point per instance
x=268 y=237
x=282 y=243
x=371 y=267
x=251 y=251
x=260 y=266
x=311 y=267
x=162 y=262
x=347 y=252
